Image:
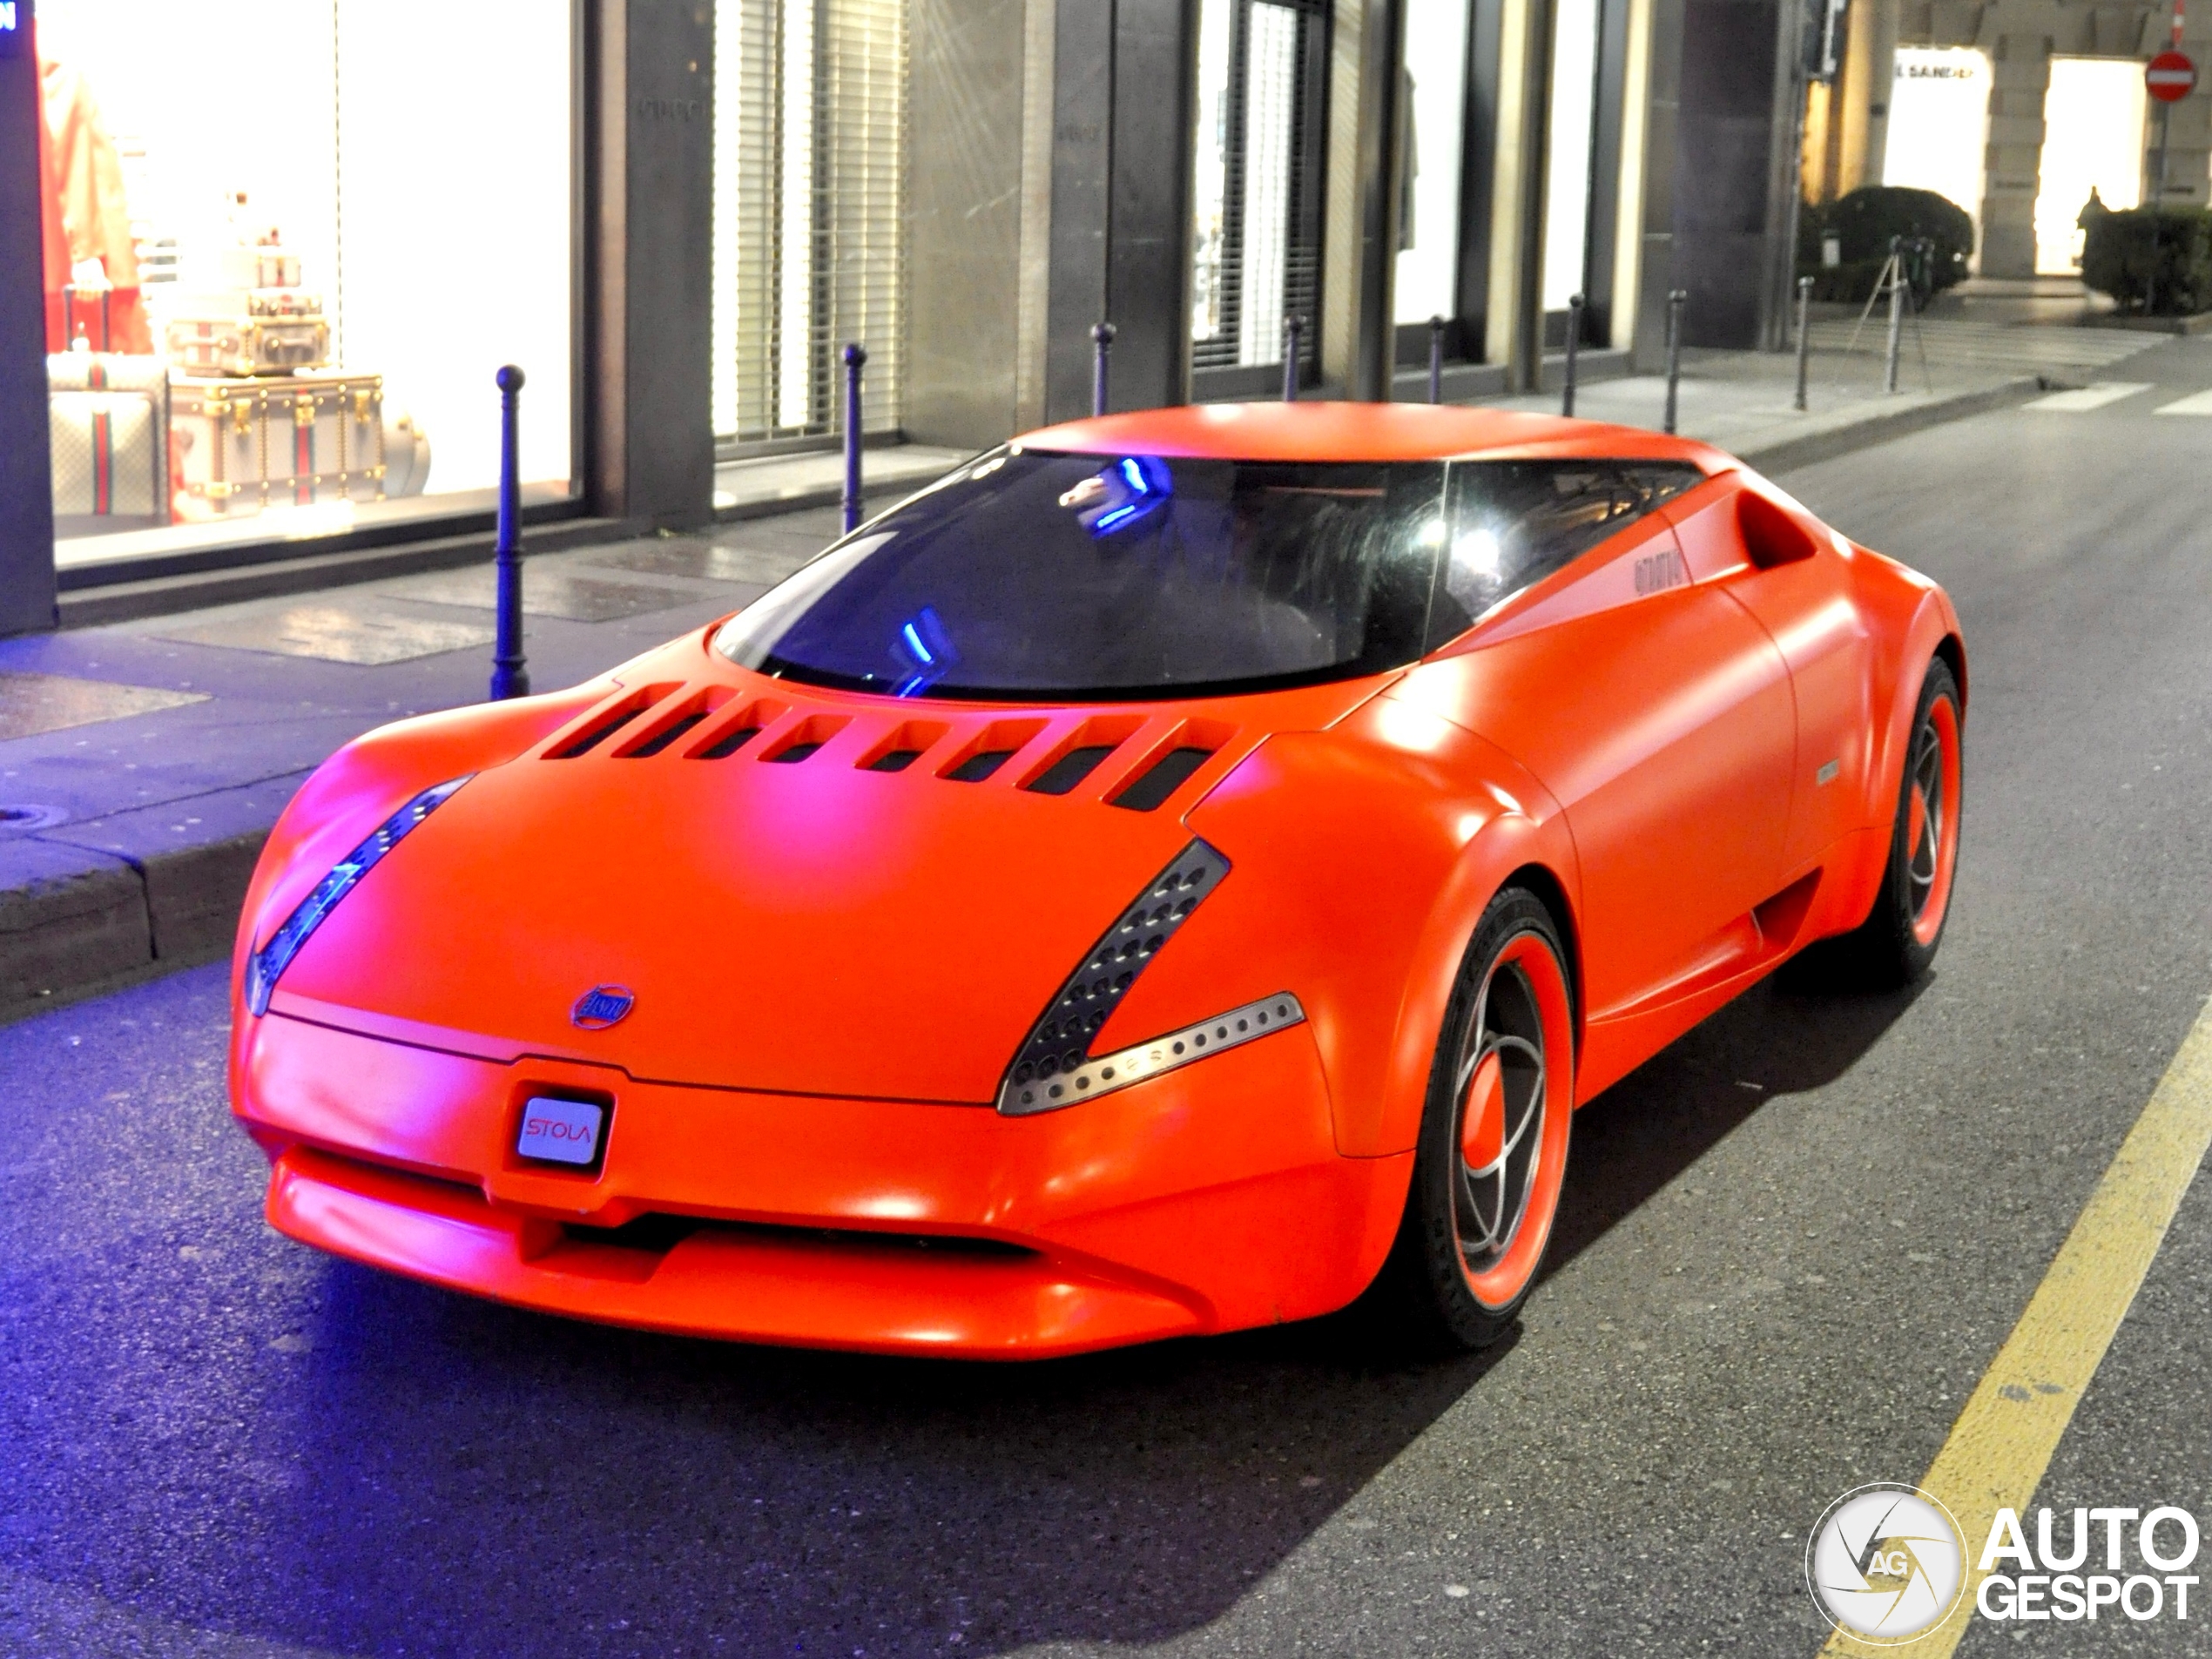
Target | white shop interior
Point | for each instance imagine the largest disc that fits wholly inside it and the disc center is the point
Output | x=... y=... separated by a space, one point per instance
x=314 y=268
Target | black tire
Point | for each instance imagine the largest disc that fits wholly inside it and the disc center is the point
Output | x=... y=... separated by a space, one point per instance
x=1898 y=941
x=1512 y=984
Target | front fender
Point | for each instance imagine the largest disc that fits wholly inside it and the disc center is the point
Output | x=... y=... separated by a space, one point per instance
x=1363 y=856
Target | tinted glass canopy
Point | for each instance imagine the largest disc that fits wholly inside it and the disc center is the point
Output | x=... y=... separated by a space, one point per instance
x=1027 y=574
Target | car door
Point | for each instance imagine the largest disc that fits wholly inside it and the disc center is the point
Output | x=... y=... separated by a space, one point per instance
x=1788 y=573
x=1658 y=711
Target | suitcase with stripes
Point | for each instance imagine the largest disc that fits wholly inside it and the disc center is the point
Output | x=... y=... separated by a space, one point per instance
x=108 y=418
x=293 y=440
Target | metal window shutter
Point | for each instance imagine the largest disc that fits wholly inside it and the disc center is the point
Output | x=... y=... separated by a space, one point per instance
x=809 y=198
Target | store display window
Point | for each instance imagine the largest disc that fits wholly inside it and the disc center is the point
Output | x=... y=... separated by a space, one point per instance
x=287 y=243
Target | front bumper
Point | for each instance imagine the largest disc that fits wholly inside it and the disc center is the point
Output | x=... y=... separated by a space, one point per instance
x=1208 y=1199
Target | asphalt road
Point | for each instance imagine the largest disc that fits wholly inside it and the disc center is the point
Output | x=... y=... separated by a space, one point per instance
x=1791 y=1246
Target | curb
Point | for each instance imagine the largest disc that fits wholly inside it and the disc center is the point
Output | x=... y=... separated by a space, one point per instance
x=1812 y=447
x=89 y=908
x=73 y=933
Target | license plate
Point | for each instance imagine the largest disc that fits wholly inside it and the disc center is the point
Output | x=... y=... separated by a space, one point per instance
x=560 y=1131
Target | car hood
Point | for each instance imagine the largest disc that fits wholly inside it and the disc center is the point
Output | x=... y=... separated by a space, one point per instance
x=814 y=927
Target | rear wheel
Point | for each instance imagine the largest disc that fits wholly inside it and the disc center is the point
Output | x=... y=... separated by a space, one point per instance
x=1492 y=1151
x=1897 y=942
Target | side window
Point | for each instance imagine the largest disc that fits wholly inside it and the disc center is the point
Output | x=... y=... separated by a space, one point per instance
x=1513 y=523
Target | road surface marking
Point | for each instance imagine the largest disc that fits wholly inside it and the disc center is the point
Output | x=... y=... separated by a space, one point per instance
x=2003 y=1440
x=2198 y=404
x=2089 y=397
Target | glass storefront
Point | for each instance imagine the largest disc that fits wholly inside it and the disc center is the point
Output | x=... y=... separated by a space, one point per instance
x=1433 y=110
x=1939 y=126
x=1256 y=188
x=288 y=245
x=809 y=199
x=1570 y=141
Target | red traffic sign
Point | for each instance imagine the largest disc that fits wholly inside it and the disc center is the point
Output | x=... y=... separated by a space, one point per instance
x=2171 y=77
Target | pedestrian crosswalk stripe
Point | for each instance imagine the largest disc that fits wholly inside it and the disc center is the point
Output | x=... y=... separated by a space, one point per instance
x=2197 y=403
x=2089 y=397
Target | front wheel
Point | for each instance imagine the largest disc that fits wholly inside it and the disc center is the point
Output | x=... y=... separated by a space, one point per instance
x=1492 y=1155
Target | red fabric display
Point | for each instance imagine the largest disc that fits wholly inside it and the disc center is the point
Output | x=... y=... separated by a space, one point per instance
x=84 y=212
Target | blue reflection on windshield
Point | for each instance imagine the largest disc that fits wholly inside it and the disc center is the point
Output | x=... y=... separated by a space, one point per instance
x=1136 y=488
x=926 y=648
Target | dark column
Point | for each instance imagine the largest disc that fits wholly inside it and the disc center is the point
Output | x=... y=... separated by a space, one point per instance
x=1122 y=74
x=26 y=485
x=1656 y=271
x=964 y=171
x=1725 y=202
x=1382 y=87
x=649 y=212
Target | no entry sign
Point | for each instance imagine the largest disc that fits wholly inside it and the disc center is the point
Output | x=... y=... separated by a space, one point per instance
x=2171 y=77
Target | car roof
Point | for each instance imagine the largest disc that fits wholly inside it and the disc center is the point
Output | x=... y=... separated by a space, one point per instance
x=1322 y=431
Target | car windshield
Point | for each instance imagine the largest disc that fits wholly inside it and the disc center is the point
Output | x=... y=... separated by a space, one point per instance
x=1031 y=574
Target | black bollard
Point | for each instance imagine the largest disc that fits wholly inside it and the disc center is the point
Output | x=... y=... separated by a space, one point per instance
x=856 y=357
x=1292 y=326
x=1575 y=304
x=1804 y=337
x=1676 y=300
x=508 y=676
x=1436 y=360
x=1102 y=342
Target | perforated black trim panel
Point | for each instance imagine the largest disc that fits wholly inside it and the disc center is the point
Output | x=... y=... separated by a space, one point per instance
x=1060 y=1041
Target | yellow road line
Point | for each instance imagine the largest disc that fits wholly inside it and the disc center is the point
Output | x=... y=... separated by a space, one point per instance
x=2004 y=1439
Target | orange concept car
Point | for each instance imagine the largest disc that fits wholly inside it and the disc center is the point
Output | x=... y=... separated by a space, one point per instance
x=1180 y=871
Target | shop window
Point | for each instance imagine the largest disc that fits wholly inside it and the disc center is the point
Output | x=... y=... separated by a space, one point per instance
x=1570 y=154
x=809 y=192
x=1257 y=189
x=1432 y=113
x=2093 y=139
x=1939 y=126
x=276 y=301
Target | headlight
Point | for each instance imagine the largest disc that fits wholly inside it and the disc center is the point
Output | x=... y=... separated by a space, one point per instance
x=267 y=964
x=1055 y=1067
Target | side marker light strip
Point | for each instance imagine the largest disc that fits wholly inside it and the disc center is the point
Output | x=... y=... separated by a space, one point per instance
x=1147 y=1060
x=267 y=964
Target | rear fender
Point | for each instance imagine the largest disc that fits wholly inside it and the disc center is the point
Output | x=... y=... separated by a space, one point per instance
x=1912 y=621
x=1362 y=859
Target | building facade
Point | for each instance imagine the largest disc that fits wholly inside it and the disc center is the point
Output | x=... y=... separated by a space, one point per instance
x=241 y=328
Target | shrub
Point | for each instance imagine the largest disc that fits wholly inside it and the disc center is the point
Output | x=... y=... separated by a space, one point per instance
x=2117 y=259
x=1865 y=220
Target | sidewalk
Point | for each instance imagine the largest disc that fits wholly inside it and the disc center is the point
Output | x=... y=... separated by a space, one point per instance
x=1949 y=369
x=143 y=762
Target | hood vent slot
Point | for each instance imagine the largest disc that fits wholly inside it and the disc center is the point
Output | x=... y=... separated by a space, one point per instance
x=980 y=766
x=1152 y=787
x=893 y=760
x=1069 y=770
x=612 y=720
x=664 y=737
x=728 y=744
x=802 y=741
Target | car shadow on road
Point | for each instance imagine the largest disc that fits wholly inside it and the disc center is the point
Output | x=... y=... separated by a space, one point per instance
x=1796 y=1032
x=487 y=1481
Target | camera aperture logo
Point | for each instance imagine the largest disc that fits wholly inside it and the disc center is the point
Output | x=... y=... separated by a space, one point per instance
x=1887 y=1563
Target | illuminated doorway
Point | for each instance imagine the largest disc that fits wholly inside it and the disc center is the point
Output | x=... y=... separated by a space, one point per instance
x=2092 y=139
x=1938 y=125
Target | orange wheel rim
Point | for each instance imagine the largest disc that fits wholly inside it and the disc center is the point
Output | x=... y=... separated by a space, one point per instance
x=1513 y=1097
x=1932 y=819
